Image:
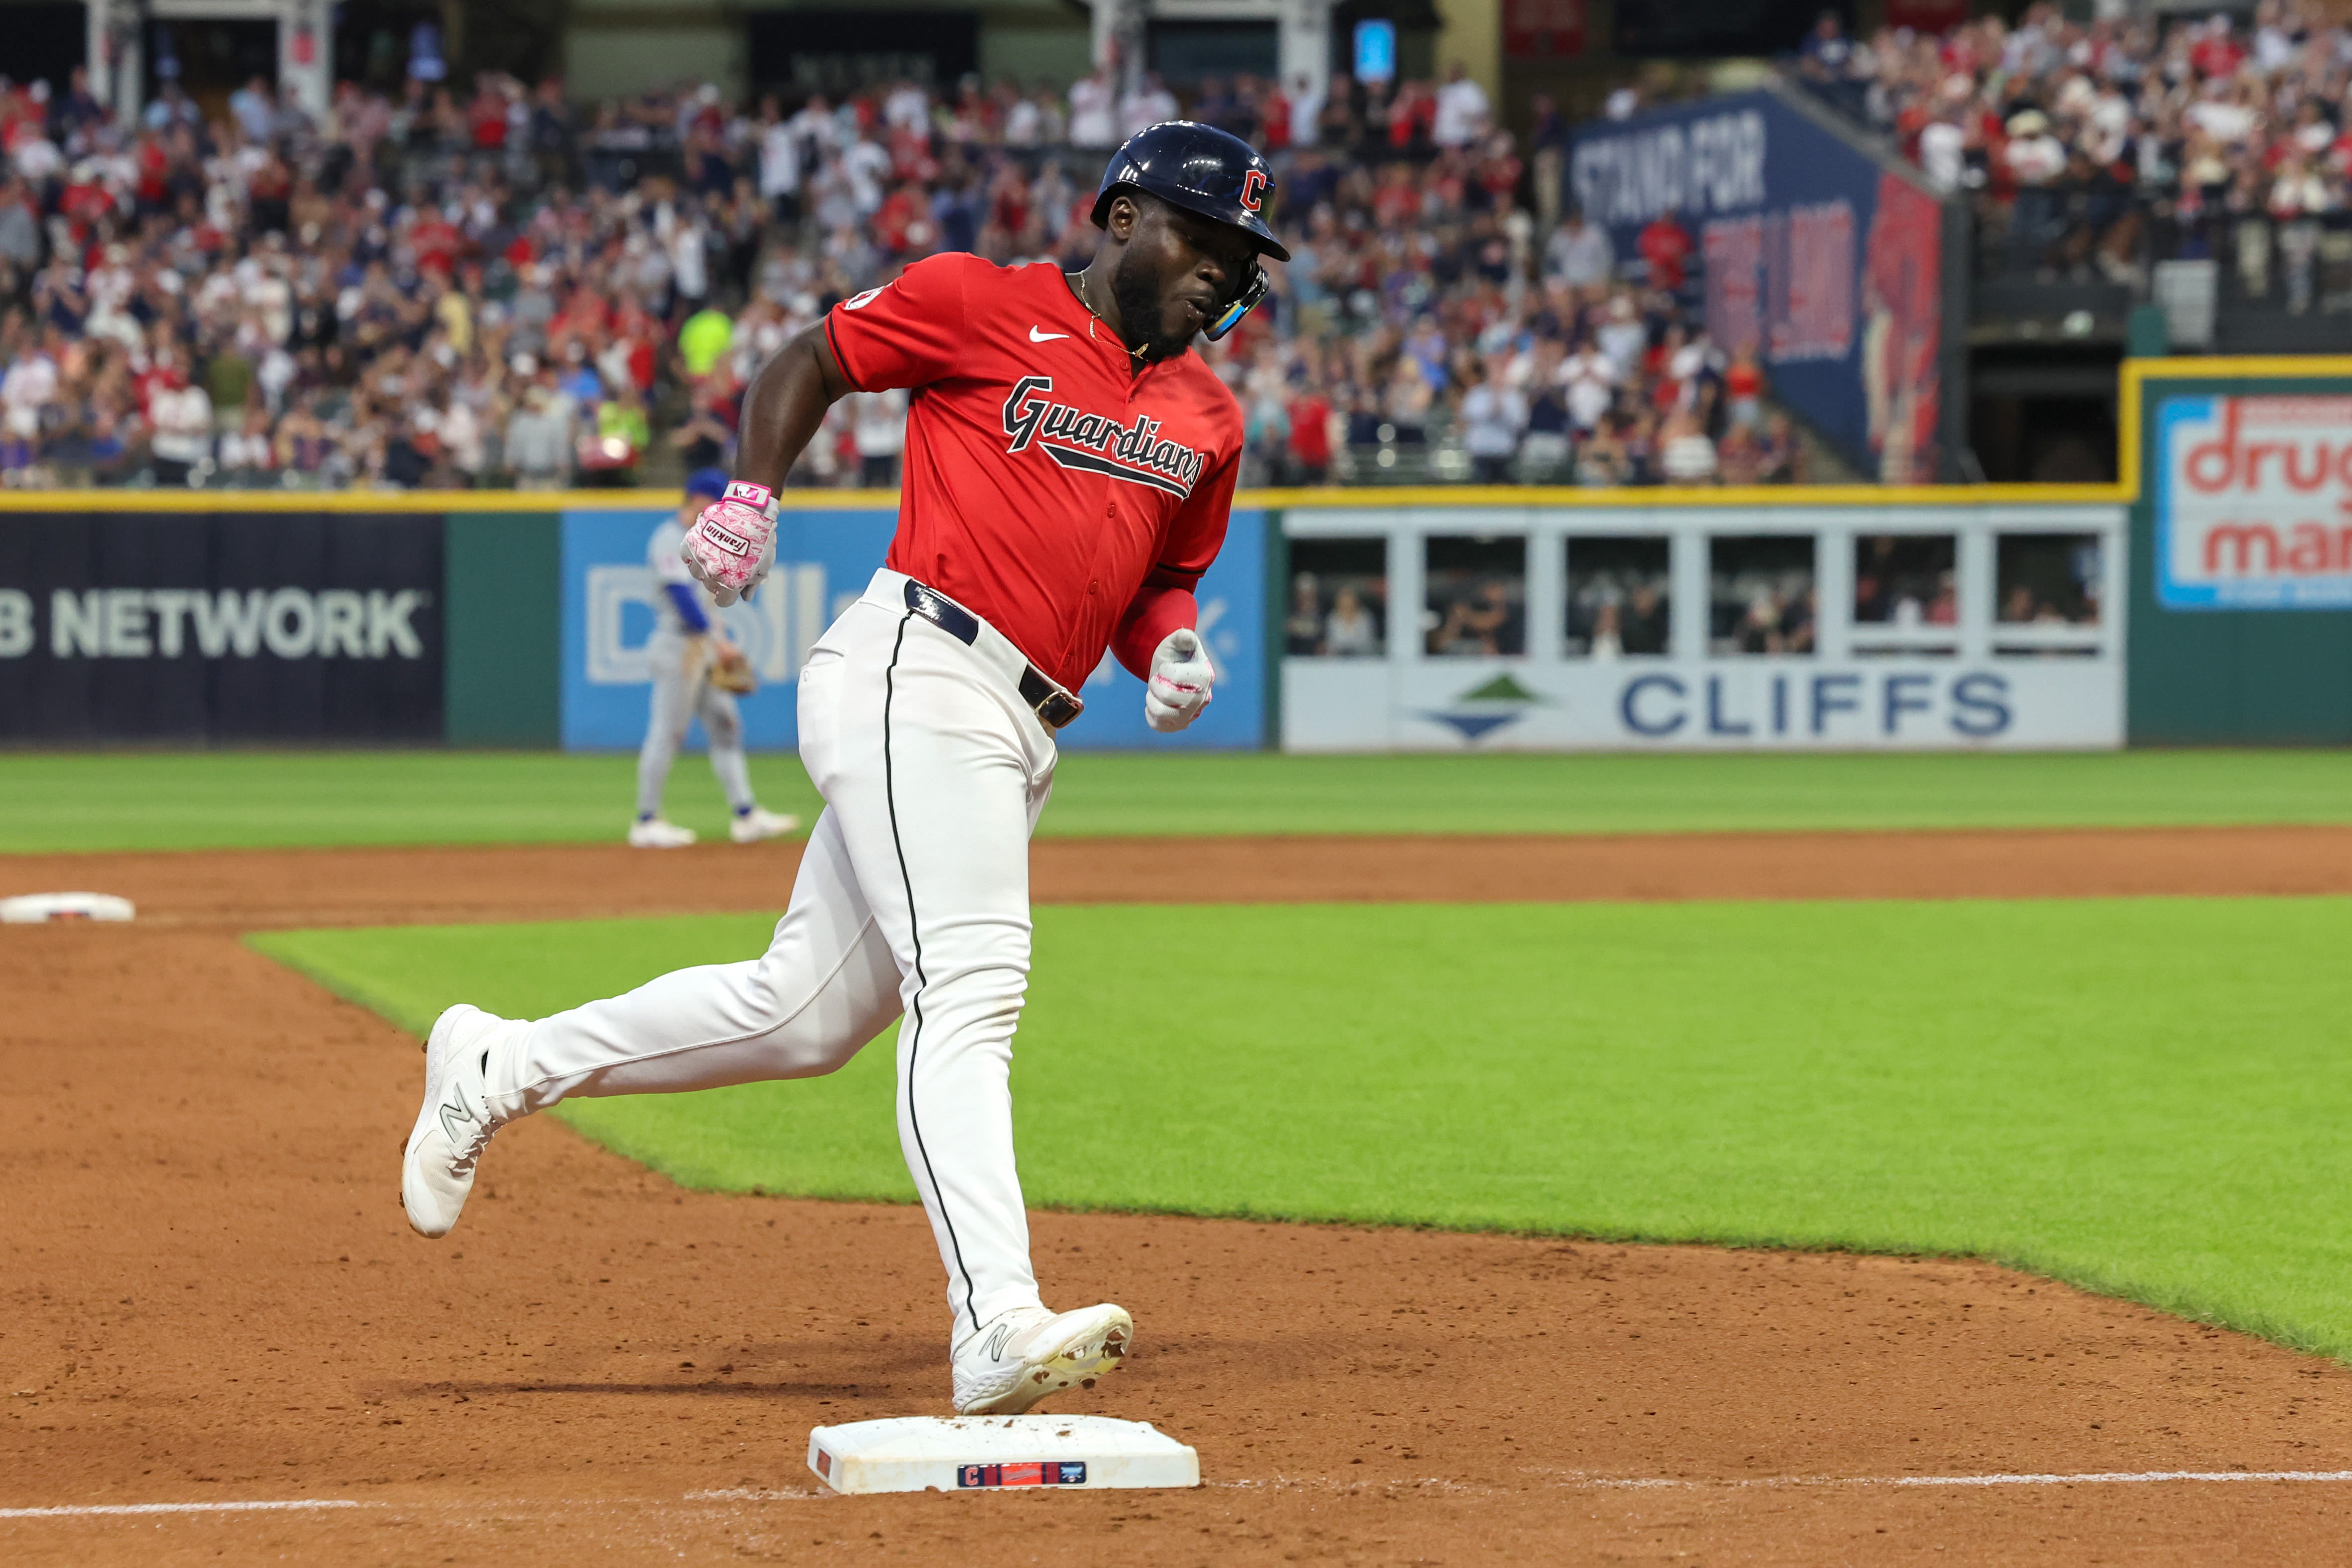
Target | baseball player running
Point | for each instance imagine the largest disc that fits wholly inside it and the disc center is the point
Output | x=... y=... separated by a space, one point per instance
x=698 y=672
x=1069 y=466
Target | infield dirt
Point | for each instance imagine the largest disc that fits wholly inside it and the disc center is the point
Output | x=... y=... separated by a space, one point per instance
x=210 y=1295
x=260 y=888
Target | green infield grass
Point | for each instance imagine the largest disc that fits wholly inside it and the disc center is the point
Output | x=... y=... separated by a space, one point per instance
x=145 y=800
x=2145 y=1098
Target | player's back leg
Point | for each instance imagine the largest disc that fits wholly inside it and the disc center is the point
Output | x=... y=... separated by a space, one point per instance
x=826 y=986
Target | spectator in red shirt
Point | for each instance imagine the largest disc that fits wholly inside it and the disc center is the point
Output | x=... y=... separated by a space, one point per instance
x=153 y=163
x=1410 y=116
x=1743 y=384
x=1310 y=436
x=1666 y=246
x=1274 y=104
x=1499 y=171
x=435 y=240
x=1397 y=202
x=904 y=225
x=2217 y=54
x=486 y=118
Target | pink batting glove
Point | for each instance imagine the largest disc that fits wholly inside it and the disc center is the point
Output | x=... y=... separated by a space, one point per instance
x=733 y=542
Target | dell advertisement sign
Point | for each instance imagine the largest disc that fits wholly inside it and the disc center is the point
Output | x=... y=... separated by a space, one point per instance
x=1825 y=262
x=825 y=558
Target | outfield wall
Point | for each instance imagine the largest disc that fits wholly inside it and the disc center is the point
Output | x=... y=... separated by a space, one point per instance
x=222 y=626
x=2241 y=532
x=1777 y=623
x=517 y=621
x=825 y=557
x=512 y=624
x=2220 y=573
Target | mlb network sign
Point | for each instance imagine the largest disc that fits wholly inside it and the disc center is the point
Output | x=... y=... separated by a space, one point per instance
x=2253 y=503
x=166 y=622
x=279 y=627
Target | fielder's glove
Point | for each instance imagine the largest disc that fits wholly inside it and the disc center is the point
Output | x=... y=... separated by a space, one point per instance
x=1181 y=679
x=731 y=671
x=733 y=542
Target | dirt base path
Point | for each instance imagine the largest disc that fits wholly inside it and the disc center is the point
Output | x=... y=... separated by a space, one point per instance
x=208 y=1295
x=251 y=888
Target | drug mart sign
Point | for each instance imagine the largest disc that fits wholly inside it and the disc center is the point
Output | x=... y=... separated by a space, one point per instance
x=2253 y=503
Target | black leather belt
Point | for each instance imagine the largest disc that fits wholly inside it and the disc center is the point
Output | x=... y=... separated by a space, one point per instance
x=1053 y=706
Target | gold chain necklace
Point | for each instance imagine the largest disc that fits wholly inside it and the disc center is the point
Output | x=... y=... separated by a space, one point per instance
x=1076 y=281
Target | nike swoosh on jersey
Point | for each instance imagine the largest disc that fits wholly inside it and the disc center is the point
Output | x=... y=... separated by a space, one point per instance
x=1037 y=337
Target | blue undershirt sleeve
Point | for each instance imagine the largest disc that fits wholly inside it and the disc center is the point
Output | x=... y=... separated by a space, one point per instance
x=689 y=606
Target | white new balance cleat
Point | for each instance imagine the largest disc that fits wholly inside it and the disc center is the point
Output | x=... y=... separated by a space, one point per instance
x=1020 y=1356
x=760 y=823
x=455 y=1123
x=653 y=832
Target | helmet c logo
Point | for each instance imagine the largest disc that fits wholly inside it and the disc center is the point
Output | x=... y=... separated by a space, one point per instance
x=1254 y=185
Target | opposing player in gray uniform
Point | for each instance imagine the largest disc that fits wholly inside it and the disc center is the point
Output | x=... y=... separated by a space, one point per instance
x=685 y=650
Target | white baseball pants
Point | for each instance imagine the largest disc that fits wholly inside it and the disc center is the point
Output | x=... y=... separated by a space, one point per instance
x=913 y=896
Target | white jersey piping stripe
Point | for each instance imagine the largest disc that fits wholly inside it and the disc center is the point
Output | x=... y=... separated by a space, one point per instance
x=915 y=927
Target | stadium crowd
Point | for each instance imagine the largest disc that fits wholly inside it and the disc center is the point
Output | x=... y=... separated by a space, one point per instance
x=2096 y=146
x=442 y=289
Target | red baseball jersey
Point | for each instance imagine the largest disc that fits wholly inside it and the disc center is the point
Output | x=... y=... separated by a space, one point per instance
x=1043 y=484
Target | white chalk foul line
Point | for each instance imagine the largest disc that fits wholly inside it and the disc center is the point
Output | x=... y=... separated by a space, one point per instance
x=2114 y=1478
x=101 y=1510
x=2100 y=1477
x=1613 y=1483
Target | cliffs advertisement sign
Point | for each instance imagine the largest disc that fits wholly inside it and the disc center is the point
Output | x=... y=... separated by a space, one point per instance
x=2253 y=503
x=1725 y=704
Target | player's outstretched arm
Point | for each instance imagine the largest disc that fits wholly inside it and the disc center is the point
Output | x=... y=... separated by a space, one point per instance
x=733 y=542
x=785 y=405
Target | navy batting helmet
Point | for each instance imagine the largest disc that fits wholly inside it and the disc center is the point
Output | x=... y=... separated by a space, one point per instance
x=1206 y=171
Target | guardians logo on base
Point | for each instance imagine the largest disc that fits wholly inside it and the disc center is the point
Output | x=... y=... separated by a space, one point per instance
x=1040 y=1473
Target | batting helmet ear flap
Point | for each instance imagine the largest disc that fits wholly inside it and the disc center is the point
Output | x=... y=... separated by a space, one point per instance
x=1253 y=288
